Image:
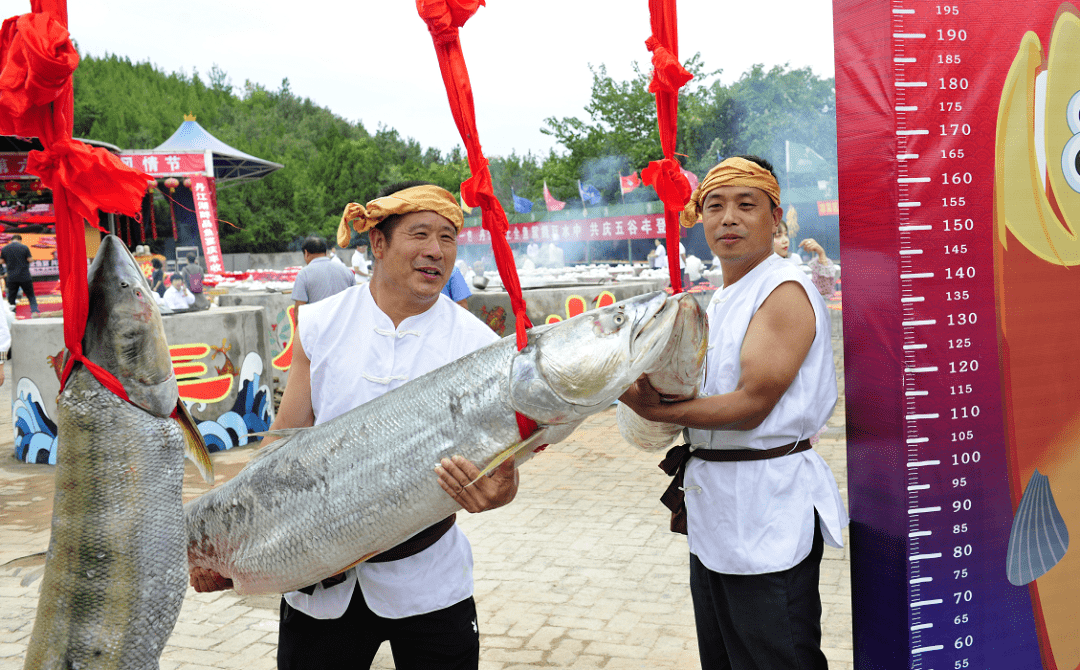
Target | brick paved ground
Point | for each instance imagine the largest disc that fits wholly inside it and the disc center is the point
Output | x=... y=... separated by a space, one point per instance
x=579 y=572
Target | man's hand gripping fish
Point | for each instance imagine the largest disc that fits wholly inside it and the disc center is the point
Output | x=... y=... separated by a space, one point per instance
x=676 y=376
x=307 y=507
x=115 y=571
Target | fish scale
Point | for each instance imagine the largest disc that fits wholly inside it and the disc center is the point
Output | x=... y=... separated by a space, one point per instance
x=116 y=569
x=378 y=461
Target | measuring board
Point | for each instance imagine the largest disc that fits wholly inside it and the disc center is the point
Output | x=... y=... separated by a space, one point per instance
x=958 y=130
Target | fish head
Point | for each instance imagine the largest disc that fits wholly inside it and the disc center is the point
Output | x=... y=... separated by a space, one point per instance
x=575 y=368
x=677 y=372
x=124 y=333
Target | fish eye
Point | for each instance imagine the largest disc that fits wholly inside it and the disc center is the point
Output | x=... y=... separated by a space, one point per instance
x=619 y=319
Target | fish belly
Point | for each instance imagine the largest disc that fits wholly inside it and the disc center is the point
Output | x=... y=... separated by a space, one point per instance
x=116 y=570
x=356 y=485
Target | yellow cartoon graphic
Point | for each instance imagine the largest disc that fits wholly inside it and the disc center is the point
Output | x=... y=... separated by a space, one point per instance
x=1036 y=251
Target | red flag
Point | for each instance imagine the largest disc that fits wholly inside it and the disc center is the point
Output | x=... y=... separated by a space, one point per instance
x=690 y=177
x=629 y=182
x=553 y=205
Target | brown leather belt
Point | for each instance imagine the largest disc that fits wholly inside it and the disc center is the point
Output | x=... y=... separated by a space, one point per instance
x=410 y=547
x=677 y=457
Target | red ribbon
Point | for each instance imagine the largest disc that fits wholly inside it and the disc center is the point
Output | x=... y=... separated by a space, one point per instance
x=668 y=77
x=36 y=100
x=668 y=73
x=93 y=176
x=37 y=62
x=443 y=18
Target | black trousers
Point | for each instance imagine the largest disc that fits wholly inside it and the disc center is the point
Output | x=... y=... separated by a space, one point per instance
x=760 y=622
x=446 y=639
x=27 y=287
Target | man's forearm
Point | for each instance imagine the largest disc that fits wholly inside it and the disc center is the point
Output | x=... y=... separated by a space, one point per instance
x=737 y=410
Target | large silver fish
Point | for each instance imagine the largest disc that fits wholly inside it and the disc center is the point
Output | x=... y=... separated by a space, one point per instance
x=311 y=505
x=116 y=569
x=677 y=376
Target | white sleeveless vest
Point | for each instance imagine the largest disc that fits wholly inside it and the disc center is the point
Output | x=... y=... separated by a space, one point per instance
x=357 y=355
x=754 y=517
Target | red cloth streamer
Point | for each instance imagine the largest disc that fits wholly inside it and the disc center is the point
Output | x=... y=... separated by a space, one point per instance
x=172 y=216
x=443 y=18
x=668 y=77
x=36 y=100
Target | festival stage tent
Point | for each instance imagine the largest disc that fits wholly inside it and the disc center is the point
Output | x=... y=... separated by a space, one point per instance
x=227 y=164
x=189 y=166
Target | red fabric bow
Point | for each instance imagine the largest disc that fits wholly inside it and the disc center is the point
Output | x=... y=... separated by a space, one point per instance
x=94 y=178
x=668 y=73
x=670 y=183
x=444 y=17
x=36 y=62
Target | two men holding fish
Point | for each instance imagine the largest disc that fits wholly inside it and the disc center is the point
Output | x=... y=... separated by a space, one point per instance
x=756 y=501
x=351 y=348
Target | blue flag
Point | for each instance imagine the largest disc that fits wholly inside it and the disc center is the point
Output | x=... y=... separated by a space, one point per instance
x=521 y=205
x=589 y=194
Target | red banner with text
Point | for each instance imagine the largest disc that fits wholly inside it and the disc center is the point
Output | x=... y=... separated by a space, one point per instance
x=166 y=164
x=644 y=227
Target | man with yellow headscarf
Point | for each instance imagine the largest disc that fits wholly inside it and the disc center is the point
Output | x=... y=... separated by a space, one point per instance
x=351 y=348
x=758 y=502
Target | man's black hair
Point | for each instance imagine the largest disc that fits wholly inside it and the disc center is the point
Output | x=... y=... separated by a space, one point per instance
x=315 y=245
x=16 y=237
x=190 y=257
x=174 y=276
x=387 y=225
x=156 y=262
x=765 y=164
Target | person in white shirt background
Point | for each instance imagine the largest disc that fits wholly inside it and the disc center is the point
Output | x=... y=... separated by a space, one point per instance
x=822 y=271
x=177 y=297
x=360 y=265
x=759 y=503
x=357 y=345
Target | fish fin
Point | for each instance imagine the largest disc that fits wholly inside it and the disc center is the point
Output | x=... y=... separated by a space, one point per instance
x=356 y=563
x=34 y=566
x=536 y=439
x=1038 y=539
x=30 y=560
x=194 y=444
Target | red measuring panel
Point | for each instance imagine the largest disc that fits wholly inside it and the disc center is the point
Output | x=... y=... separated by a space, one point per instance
x=959 y=141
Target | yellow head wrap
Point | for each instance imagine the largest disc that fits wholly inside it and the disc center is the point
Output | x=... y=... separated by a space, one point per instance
x=734 y=171
x=415 y=199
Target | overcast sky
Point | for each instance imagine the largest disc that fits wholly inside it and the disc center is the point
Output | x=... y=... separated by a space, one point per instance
x=373 y=61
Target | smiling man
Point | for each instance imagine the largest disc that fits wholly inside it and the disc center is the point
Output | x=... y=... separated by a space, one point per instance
x=353 y=347
x=759 y=502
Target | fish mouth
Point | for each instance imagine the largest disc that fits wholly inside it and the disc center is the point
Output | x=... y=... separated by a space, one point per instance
x=652 y=327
